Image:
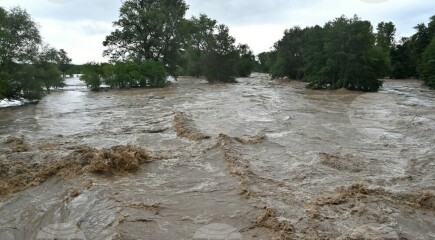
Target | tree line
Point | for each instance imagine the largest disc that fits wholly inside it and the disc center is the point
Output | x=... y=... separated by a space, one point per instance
x=347 y=53
x=154 y=39
x=27 y=64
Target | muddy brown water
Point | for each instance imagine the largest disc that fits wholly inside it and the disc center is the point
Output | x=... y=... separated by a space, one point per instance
x=268 y=158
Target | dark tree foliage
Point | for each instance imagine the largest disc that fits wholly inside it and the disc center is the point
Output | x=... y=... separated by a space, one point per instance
x=211 y=52
x=221 y=56
x=26 y=65
x=48 y=71
x=266 y=61
x=407 y=55
x=427 y=68
x=289 y=61
x=402 y=63
x=148 y=30
x=92 y=75
x=64 y=62
x=385 y=35
x=246 y=61
x=199 y=31
x=124 y=74
x=348 y=57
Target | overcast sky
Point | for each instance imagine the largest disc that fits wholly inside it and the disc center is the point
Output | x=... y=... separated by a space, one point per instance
x=80 y=26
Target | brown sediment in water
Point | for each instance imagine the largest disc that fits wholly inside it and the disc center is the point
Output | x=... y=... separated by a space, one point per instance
x=361 y=192
x=184 y=127
x=342 y=162
x=240 y=168
x=282 y=229
x=259 y=138
x=17 y=144
x=19 y=175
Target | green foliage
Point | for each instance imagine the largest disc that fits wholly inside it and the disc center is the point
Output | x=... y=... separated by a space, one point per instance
x=148 y=30
x=211 y=52
x=199 y=35
x=152 y=74
x=345 y=56
x=92 y=75
x=385 y=35
x=64 y=62
x=20 y=37
x=402 y=63
x=25 y=78
x=4 y=84
x=427 y=69
x=26 y=64
x=47 y=68
x=126 y=74
x=289 y=61
x=246 y=62
x=263 y=65
x=221 y=56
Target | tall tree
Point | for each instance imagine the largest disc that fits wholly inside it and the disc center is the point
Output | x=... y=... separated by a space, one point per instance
x=64 y=62
x=403 y=64
x=221 y=56
x=385 y=35
x=47 y=68
x=246 y=61
x=289 y=61
x=200 y=30
x=19 y=39
x=148 y=30
x=350 y=58
x=19 y=45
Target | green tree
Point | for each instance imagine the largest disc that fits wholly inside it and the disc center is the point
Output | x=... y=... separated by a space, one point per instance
x=314 y=55
x=221 y=56
x=263 y=62
x=64 y=62
x=19 y=44
x=402 y=62
x=420 y=40
x=350 y=58
x=92 y=75
x=199 y=31
x=47 y=68
x=20 y=39
x=211 y=51
x=427 y=69
x=385 y=35
x=128 y=74
x=289 y=60
x=246 y=61
x=148 y=30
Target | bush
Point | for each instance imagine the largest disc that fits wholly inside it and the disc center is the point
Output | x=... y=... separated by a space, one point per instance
x=92 y=75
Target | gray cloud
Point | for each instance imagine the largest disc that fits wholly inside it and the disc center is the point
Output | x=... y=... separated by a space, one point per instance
x=81 y=25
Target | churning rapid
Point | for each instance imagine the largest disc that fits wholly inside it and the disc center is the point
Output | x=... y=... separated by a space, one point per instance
x=269 y=158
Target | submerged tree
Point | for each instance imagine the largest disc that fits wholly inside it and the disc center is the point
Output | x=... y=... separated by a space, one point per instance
x=64 y=62
x=92 y=75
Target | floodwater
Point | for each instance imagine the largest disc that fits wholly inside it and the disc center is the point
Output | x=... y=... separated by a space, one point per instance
x=271 y=159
